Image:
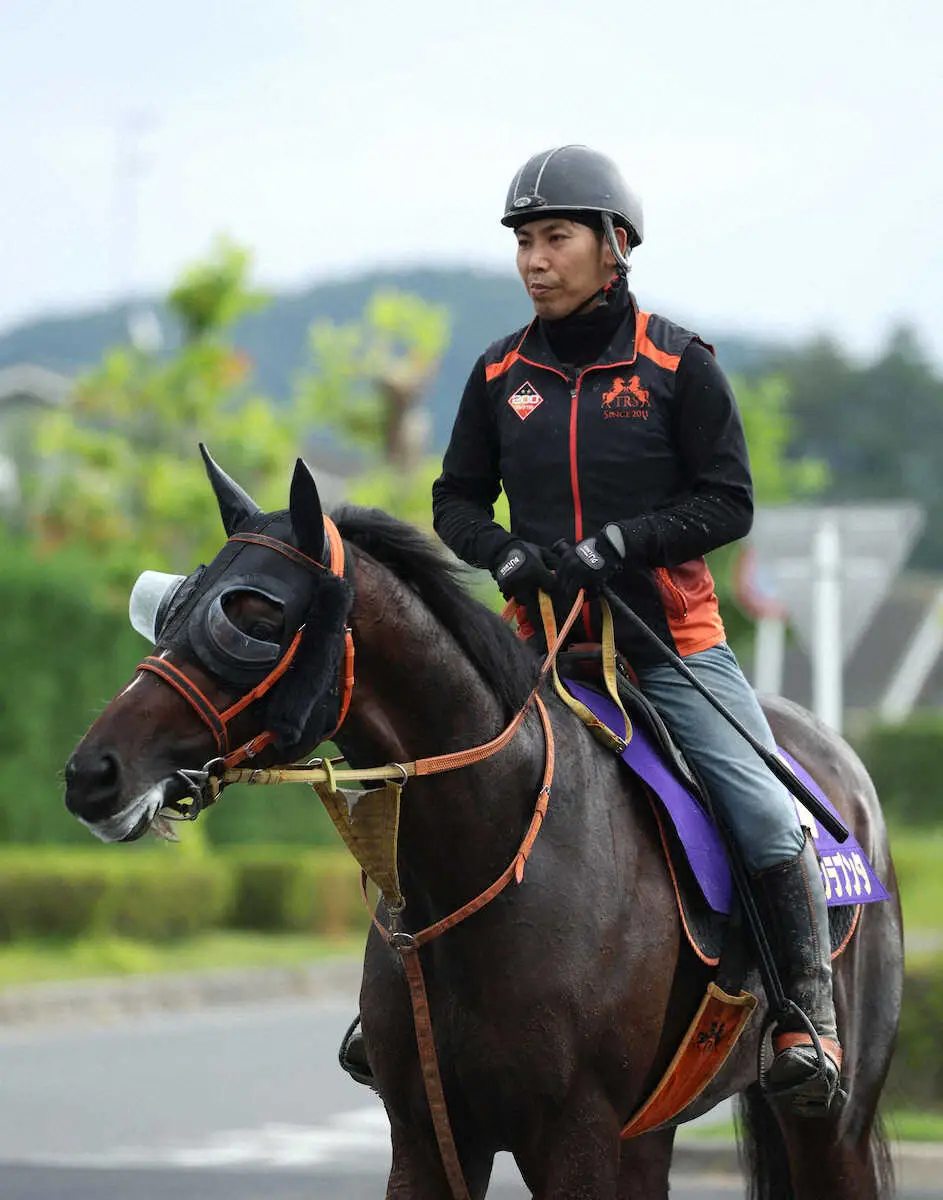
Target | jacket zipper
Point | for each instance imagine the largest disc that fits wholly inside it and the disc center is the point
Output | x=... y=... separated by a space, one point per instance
x=671 y=592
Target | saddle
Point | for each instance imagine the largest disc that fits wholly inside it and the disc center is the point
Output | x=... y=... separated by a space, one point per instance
x=696 y=861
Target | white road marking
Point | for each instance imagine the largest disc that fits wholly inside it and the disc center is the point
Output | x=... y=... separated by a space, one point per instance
x=345 y=1138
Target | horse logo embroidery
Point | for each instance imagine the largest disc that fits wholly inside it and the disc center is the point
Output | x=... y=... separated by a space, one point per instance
x=626 y=399
x=710 y=1039
x=525 y=400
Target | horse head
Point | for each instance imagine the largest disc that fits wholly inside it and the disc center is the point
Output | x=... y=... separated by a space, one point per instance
x=246 y=661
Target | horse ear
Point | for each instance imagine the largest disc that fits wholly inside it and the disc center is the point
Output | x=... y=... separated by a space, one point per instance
x=235 y=506
x=307 y=517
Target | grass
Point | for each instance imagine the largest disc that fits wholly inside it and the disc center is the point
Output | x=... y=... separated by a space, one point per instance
x=99 y=958
x=917 y=856
x=903 y=1125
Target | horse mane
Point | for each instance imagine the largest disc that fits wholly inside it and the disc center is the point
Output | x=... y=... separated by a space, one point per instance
x=504 y=662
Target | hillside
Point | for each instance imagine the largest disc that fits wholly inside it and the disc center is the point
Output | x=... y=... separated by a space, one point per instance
x=483 y=305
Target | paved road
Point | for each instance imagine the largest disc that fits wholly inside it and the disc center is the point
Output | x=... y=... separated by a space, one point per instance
x=244 y=1103
x=27 y=1184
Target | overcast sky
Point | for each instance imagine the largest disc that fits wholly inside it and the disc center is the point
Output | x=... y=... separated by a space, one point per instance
x=788 y=155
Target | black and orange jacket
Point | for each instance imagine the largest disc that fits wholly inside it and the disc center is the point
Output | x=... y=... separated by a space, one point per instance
x=648 y=435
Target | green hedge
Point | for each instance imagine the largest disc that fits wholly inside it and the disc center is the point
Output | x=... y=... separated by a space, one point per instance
x=916 y=1076
x=163 y=893
x=308 y=892
x=905 y=763
x=289 y=814
x=63 y=655
x=150 y=897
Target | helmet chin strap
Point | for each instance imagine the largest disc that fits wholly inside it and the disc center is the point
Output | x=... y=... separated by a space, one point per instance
x=622 y=266
x=622 y=260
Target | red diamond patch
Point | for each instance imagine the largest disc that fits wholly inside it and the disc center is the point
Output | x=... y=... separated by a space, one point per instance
x=525 y=400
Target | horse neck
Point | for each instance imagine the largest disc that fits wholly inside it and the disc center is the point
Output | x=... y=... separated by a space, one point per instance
x=417 y=695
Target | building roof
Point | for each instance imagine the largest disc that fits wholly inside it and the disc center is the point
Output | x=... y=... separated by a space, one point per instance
x=26 y=384
x=872 y=666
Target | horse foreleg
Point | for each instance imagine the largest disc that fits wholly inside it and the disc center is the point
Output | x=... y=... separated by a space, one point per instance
x=576 y=1156
x=644 y=1166
x=828 y=1163
x=417 y=1172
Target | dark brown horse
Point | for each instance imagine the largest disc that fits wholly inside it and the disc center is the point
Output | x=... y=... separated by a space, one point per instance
x=557 y=1007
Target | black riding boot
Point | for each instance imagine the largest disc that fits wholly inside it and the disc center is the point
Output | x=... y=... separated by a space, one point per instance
x=792 y=903
x=353 y=1054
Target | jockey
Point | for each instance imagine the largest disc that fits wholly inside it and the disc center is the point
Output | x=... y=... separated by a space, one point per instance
x=615 y=430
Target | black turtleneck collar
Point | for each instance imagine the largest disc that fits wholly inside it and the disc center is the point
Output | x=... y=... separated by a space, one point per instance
x=582 y=338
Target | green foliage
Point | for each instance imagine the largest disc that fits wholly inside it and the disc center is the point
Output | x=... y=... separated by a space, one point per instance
x=917 y=853
x=63 y=656
x=290 y=814
x=765 y=405
x=904 y=762
x=405 y=495
x=398 y=337
x=52 y=898
x=367 y=381
x=122 y=475
x=212 y=296
x=165 y=896
x=153 y=896
x=278 y=888
x=916 y=1076
x=161 y=893
x=878 y=424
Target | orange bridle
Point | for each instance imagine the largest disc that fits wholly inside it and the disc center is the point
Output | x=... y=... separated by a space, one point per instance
x=218 y=722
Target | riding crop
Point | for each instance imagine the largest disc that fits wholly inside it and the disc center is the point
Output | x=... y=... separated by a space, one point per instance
x=786 y=776
x=780 y=1005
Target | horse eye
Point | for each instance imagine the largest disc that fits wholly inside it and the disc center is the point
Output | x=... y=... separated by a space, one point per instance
x=254 y=615
x=263 y=631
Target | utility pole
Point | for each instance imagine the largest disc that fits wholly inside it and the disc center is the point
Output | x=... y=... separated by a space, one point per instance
x=131 y=165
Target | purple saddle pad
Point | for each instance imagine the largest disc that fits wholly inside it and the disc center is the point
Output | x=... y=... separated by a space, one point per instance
x=847 y=874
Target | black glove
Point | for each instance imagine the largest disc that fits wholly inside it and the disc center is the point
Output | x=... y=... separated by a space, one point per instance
x=520 y=570
x=590 y=565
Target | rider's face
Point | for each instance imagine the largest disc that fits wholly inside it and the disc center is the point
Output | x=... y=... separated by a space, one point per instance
x=562 y=264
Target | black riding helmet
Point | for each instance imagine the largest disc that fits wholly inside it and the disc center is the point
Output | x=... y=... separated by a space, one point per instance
x=574 y=180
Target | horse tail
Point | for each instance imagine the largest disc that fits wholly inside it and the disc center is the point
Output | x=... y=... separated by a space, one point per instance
x=765 y=1161
x=882 y=1161
x=762 y=1148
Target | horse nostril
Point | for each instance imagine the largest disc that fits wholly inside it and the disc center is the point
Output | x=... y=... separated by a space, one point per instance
x=92 y=782
x=106 y=774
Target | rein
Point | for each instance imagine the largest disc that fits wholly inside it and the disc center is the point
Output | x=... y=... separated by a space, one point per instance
x=323 y=771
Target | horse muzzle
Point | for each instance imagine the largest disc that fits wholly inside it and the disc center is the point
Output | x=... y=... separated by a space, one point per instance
x=95 y=790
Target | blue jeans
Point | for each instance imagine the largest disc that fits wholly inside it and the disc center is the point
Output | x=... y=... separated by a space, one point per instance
x=757 y=809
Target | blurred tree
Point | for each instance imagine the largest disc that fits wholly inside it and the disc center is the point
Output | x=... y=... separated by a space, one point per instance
x=368 y=381
x=878 y=425
x=765 y=406
x=123 y=476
